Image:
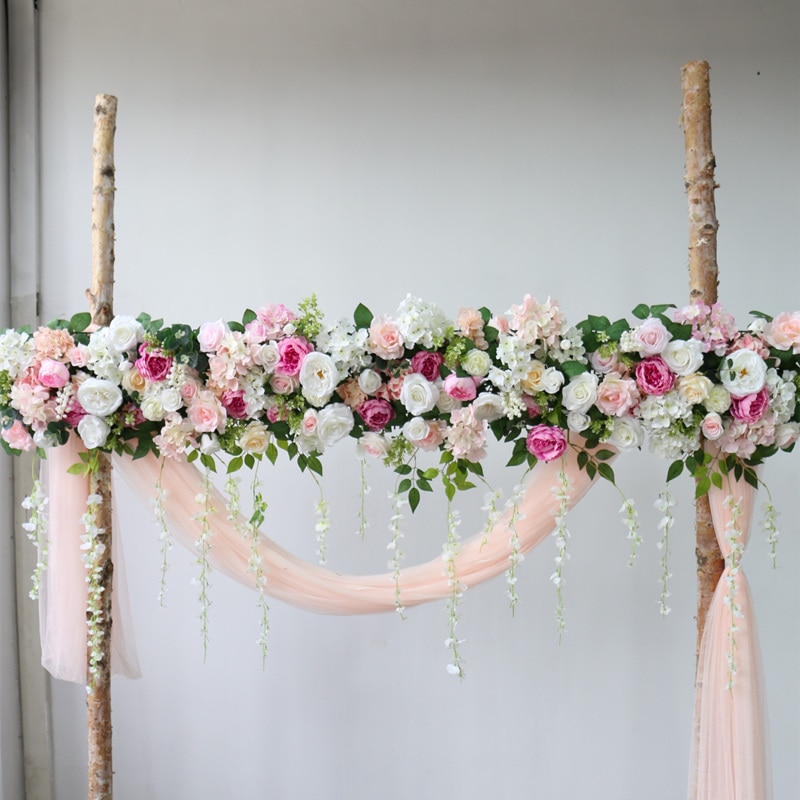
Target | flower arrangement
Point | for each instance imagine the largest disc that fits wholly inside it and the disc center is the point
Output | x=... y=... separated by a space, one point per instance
x=416 y=380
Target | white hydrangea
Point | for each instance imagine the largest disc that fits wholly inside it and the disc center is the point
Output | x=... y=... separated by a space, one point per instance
x=570 y=348
x=783 y=395
x=104 y=358
x=674 y=443
x=421 y=323
x=16 y=352
x=346 y=345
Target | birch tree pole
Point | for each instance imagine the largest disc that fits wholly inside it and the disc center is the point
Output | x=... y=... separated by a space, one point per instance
x=100 y=298
x=703 y=284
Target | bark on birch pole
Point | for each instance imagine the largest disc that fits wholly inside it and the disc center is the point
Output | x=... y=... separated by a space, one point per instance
x=101 y=305
x=703 y=282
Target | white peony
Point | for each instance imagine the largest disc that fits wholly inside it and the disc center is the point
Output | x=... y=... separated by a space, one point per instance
x=683 y=357
x=93 y=431
x=743 y=372
x=99 y=397
x=125 y=333
x=418 y=394
x=581 y=392
x=318 y=377
x=334 y=422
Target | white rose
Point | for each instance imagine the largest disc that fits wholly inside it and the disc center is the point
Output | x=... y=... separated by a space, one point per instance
x=487 y=406
x=719 y=399
x=418 y=394
x=171 y=399
x=99 y=397
x=578 y=421
x=712 y=427
x=318 y=377
x=209 y=444
x=267 y=356
x=626 y=433
x=416 y=429
x=743 y=372
x=334 y=423
x=476 y=363
x=93 y=431
x=255 y=438
x=694 y=388
x=372 y=444
x=446 y=404
x=552 y=380
x=369 y=381
x=125 y=333
x=683 y=357
x=152 y=408
x=581 y=392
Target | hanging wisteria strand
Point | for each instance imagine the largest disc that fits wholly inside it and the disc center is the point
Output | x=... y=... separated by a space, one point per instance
x=92 y=549
x=665 y=503
x=164 y=535
x=36 y=528
x=450 y=551
x=203 y=546
x=733 y=536
x=562 y=492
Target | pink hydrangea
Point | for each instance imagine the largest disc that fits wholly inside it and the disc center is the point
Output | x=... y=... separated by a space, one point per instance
x=274 y=318
x=18 y=438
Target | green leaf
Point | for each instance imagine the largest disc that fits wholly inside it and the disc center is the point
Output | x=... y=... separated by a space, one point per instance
x=249 y=461
x=403 y=469
x=450 y=491
x=80 y=322
x=424 y=485
x=675 y=469
x=591 y=470
x=272 y=453
x=641 y=311
x=315 y=465
x=616 y=330
x=751 y=477
x=404 y=486
x=248 y=316
x=703 y=485
x=762 y=315
x=429 y=474
x=604 y=455
x=716 y=479
x=77 y=469
x=598 y=323
x=413 y=499
x=235 y=464
x=660 y=308
x=208 y=462
x=490 y=334
x=362 y=316
x=583 y=459
x=573 y=368
x=302 y=461
x=518 y=458
x=606 y=471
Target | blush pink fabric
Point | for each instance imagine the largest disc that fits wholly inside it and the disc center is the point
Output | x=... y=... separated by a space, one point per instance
x=730 y=749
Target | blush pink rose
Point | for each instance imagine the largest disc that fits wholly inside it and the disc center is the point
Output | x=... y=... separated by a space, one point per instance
x=651 y=337
x=206 y=414
x=275 y=414
x=189 y=390
x=309 y=423
x=376 y=413
x=53 y=374
x=616 y=396
x=427 y=364
x=284 y=384
x=385 y=339
x=712 y=426
x=291 y=353
x=210 y=335
x=437 y=430
x=751 y=407
x=604 y=364
x=546 y=442
x=654 y=376
x=235 y=405
x=460 y=388
x=153 y=364
x=18 y=438
x=784 y=331
x=79 y=356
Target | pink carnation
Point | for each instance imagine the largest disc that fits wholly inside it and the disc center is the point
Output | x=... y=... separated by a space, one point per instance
x=153 y=364
x=376 y=413
x=546 y=442
x=427 y=364
x=751 y=407
x=654 y=376
x=291 y=353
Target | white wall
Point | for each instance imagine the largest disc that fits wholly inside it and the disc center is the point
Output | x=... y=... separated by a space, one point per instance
x=469 y=153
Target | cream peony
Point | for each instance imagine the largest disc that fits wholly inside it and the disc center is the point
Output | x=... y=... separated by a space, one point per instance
x=743 y=372
x=99 y=397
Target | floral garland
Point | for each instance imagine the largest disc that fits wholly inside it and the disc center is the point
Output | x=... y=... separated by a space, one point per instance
x=283 y=380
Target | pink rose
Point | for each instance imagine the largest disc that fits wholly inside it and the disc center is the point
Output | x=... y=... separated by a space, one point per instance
x=427 y=364
x=460 y=388
x=751 y=407
x=712 y=426
x=284 y=384
x=210 y=335
x=437 y=430
x=654 y=376
x=276 y=414
x=616 y=396
x=784 y=331
x=385 y=339
x=651 y=337
x=291 y=353
x=53 y=374
x=79 y=356
x=235 y=404
x=206 y=414
x=309 y=422
x=546 y=442
x=604 y=364
x=376 y=413
x=189 y=390
x=256 y=332
x=18 y=438
x=153 y=364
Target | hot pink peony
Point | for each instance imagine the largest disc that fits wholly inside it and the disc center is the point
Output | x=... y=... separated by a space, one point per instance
x=751 y=407
x=376 y=413
x=153 y=364
x=546 y=442
x=235 y=404
x=291 y=353
x=427 y=364
x=653 y=376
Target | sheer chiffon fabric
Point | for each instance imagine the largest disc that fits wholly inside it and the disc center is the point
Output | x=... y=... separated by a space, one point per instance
x=730 y=751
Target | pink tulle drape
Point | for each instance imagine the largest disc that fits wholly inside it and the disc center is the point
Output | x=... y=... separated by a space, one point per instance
x=730 y=752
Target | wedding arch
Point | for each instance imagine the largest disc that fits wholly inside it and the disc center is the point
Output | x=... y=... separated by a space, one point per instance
x=98 y=392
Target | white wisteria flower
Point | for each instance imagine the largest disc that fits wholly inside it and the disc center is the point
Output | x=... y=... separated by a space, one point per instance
x=318 y=377
x=418 y=394
x=743 y=372
x=93 y=431
x=99 y=397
